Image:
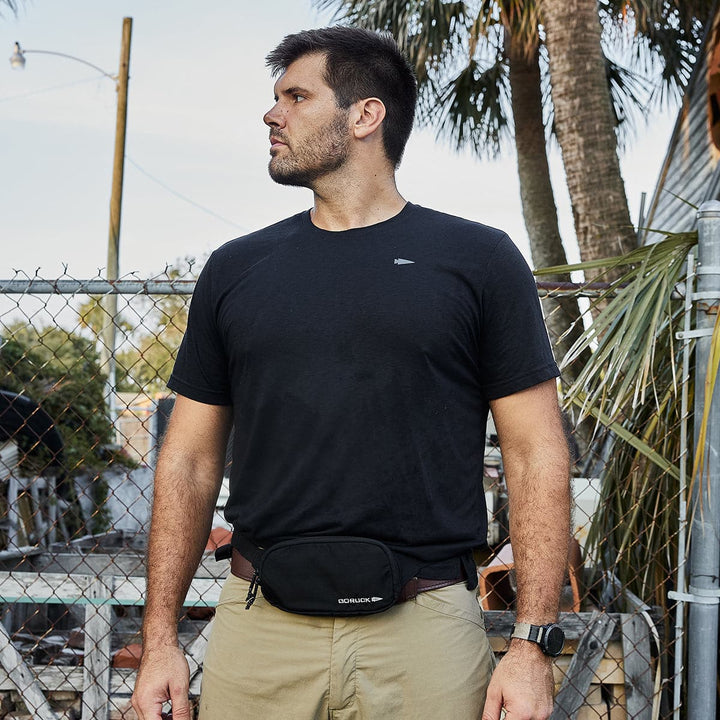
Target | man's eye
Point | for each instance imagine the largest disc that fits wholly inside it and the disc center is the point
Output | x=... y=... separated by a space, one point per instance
x=299 y=98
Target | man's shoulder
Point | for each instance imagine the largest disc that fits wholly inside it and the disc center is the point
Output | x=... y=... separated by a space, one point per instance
x=451 y=231
x=459 y=226
x=264 y=238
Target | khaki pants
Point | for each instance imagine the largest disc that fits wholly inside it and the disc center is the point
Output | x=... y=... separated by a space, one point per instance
x=427 y=658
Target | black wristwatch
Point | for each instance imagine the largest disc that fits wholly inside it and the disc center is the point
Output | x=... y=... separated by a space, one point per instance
x=550 y=637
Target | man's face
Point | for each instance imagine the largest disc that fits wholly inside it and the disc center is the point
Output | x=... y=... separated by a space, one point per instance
x=309 y=134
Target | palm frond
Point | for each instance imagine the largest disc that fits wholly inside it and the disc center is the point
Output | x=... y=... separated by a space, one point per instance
x=630 y=390
x=631 y=439
x=428 y=31
x=472 y=108
x=686 y=15
x=522 y=20
x=638 y=308
x=661 y=40
x=629 y=96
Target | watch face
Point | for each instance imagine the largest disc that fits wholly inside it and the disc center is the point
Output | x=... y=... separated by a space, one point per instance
x=553 y=641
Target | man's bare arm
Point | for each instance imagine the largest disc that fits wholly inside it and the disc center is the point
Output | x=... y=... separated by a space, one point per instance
x=537 y=472
x=187 y=482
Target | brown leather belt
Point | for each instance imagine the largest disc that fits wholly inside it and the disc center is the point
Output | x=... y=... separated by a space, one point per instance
x=241 y=567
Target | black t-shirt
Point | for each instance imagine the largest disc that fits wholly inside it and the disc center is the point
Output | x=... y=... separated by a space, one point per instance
x=359 y=365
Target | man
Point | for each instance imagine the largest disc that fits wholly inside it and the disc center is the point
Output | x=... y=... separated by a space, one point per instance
x=356 y=348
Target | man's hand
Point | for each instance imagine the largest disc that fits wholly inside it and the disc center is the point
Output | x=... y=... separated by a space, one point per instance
x=522 y=685
x=163 y=676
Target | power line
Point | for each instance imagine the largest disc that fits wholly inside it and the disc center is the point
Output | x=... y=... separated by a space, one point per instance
x=184 y=197
x=52 y=88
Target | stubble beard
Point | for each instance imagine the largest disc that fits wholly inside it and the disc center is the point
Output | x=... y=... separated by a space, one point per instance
x=323 y=152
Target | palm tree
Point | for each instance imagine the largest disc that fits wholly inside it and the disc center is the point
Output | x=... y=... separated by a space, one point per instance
x=585 y=120
x=536 y=192
x=585 y=128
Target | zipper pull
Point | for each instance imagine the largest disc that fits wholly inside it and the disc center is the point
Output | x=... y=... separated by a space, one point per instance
x=252 y=590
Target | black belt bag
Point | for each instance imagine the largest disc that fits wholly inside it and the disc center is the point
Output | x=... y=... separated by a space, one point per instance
x=334 y=576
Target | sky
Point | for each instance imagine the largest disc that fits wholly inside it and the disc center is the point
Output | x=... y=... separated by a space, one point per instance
x=197 y=150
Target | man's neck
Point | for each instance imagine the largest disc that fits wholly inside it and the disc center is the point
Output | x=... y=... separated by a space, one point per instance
x=353 y=204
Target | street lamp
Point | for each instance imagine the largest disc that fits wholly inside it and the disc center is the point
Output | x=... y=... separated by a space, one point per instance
x=109 y=303
x=17 y=59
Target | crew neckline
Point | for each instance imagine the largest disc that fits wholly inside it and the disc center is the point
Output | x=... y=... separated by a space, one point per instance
x=406 y=209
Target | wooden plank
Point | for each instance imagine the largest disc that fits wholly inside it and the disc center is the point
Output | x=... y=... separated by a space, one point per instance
x=637 y=661
x=593 y=712
x=72 y=589
x=609 y=670
x=203 y=592
x=499 y=624
x=23 y=679
x=82 y=561
x=65 y=678
x=50 y=678
x=618 y=702
x=13 y=513
x=96 y=664
x=582 y=668
x=34 y=587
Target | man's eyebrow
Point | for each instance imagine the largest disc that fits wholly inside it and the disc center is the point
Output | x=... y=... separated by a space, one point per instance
x=295 y=90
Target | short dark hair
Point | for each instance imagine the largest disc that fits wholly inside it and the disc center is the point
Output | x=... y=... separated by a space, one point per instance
x=360 y=64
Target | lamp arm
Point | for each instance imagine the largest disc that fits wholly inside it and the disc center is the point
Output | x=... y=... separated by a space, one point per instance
x=72 y=57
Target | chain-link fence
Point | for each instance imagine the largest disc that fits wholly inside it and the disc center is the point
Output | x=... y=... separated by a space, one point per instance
x=79 y=434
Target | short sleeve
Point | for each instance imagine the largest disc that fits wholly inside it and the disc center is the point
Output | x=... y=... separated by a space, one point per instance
x=516 y=349
x=201 y=367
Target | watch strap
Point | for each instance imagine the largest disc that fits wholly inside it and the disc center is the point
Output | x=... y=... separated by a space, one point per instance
x=526 y=631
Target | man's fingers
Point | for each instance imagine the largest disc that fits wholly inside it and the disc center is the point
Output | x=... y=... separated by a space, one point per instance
x=180 y=702
x=493 y=704
x=146 y=710
x=147 y=701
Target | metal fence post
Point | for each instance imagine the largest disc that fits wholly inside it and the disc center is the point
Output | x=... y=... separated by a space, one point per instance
x=705 y=535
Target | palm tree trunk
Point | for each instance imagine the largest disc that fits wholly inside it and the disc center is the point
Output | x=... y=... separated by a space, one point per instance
x=585 y=128
x=562 y=315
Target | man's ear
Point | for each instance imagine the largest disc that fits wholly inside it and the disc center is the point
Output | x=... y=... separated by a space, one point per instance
x=369 y=114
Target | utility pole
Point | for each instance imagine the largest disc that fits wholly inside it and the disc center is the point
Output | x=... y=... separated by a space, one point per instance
x=110 y=302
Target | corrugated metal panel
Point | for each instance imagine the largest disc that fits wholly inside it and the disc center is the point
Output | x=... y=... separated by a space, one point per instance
x=688 y=173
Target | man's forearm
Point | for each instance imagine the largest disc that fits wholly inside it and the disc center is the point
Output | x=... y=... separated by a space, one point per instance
x=539 y=490
x=185 y=493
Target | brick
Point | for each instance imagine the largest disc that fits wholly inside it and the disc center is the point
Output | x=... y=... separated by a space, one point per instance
x=128 y=656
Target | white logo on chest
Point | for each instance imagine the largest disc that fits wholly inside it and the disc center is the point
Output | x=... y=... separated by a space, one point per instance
x=403 y=261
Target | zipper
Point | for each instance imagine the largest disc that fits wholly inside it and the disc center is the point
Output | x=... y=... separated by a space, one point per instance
x=252 y=590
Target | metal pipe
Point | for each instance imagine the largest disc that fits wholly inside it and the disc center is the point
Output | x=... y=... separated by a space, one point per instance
x=682 y=493
x=36 y=286
x=704 y=566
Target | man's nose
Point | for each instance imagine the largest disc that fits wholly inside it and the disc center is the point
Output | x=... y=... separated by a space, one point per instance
x=274 y=117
